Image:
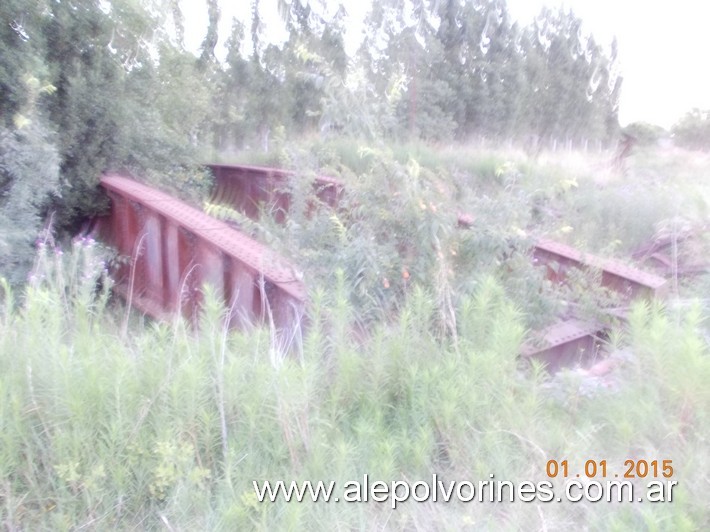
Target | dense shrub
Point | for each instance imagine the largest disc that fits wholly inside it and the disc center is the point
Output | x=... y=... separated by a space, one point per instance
x=693 y=130
x=645 y=134
x=169 y=427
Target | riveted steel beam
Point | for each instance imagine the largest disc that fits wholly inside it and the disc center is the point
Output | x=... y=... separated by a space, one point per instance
x=628 y=281
x=176 y=248
x=565 y=343
x=248 y=188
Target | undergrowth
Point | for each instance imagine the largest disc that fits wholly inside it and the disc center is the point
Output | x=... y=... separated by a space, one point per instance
x=396 y=224
x=168 y=426
x=408 y=367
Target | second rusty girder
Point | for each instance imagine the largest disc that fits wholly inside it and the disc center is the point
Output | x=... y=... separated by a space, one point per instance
x=249 y=188
x=629 y=282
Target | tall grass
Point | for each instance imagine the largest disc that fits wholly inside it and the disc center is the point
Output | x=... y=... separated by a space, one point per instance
x=167 y=427
x=409 y=365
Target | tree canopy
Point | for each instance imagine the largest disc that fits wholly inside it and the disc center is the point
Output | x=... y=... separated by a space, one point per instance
x=88 y=85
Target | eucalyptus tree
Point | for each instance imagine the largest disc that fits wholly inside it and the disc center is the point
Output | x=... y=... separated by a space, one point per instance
x=402 y=55
x=465 y=68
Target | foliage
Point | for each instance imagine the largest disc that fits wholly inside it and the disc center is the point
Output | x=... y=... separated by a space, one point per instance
x=29 y=179
x=468 y=70
x=415 y=193
x=693 y=130
x=102 y=430
x=20 y=59
x=95 y=79
x=409 y=364
x=645 y=134
x=113 y=78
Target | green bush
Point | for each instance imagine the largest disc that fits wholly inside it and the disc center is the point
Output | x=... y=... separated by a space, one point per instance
x=29 y=179
x=693 y=130
x=644 y=133
x=169 y=427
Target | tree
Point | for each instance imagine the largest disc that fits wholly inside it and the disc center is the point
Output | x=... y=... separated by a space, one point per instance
x=29 y=178
x=110 y=90
x=469 y=70
x=693 y=130
x=22 y=53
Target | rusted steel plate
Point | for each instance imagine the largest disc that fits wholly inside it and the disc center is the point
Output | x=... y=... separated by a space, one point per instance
x=175 y=248
x=628 y=281
x=265 y=171
x=564 y=344
x=141 y=301
x=248 y=188
x=171 y=257
x=208 y=229
x=571 y=342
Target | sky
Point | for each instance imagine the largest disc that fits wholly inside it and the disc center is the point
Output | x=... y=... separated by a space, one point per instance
x=662 y=45
x=662 y=49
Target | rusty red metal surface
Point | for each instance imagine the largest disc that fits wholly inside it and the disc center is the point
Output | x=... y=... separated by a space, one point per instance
x=630 y=282
x=175 y=249
x=567 y=343
x=248 y=189
x=571 y=342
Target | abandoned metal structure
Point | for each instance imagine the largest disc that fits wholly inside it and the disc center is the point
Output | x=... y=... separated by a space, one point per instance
x=175 y=249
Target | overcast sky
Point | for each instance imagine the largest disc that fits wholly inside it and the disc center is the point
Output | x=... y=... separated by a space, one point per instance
x=663 y=46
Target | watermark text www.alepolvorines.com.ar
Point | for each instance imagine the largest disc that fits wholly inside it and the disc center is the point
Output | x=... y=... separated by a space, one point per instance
x=484 y=491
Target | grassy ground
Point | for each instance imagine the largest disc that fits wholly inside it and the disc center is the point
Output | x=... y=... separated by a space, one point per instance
x=163 y=427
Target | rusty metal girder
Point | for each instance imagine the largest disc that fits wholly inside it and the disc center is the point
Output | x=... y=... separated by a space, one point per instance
x=630 y=282
x=565 y=343
x=175 y=249
x=248 y=188
x=572 y=342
